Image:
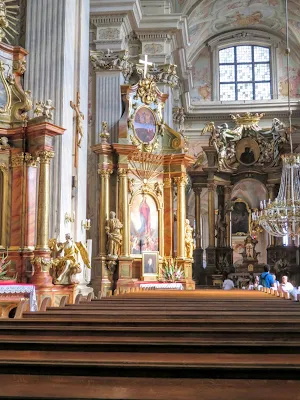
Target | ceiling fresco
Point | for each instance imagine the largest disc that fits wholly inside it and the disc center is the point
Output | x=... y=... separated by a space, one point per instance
x=210 y=17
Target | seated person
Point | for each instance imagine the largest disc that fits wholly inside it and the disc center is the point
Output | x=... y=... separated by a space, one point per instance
x=228 y=283
x=287 y=287
x=276 y=282
x=266 y=279
x=253 y=285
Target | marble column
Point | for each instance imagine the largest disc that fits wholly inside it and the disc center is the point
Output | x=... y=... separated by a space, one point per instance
x=181 y=214
x=42 y=231
x=211 y=213
x=198 y=233
x=227 y=199
x=123 y=210
x=57 y=38
x=168 y=217
x=103 y=208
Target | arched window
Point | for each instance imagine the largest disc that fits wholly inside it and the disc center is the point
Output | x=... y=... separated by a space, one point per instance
x=245 y=73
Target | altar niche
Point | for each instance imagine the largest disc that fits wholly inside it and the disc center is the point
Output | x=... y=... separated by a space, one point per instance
x=143 y=169
x=243 y=166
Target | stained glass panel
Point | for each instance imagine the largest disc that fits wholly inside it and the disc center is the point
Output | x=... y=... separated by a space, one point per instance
x=245 y=91
x=243 y=54
x=227 y=92
x=262 y=72
x=226 y=56
x=227 y=73
x=261 y=54
x=244 y=72
x=263 y=91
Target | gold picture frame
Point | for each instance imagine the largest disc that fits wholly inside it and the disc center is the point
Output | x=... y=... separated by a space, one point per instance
x=150 y=263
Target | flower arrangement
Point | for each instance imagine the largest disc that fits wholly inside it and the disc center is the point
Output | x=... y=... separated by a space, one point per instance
x=3 y=269
x=171 y=272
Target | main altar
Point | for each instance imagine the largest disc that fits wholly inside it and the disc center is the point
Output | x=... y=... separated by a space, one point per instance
x=143 y=227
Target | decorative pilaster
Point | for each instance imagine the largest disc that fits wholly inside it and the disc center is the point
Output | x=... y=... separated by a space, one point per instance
x=123 y=210
x=43 y=214
x=227 y=210
x=31 y=163
x=168 y=217
x=4 y=197
x=181 y=182
x=17 y=164
x=103 y=207
x=211 y=213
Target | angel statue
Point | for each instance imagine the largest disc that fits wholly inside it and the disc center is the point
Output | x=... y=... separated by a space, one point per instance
x=189 y=240
x=64 y=268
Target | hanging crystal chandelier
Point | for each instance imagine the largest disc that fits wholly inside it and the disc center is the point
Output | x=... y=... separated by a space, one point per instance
x=282 y=216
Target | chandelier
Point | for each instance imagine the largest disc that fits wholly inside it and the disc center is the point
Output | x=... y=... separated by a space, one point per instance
x=281 y=217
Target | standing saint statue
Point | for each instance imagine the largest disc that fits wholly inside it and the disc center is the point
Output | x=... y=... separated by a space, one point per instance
x=114 y=237
x=79 y=119
x=189 y=240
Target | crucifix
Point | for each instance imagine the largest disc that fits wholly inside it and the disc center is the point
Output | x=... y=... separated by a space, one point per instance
x=79 y=126
x=146 y=63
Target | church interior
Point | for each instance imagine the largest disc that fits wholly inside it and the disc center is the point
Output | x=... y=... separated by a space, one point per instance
x=149 y=150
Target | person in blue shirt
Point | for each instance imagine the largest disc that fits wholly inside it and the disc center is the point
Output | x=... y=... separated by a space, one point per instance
x=266 y=279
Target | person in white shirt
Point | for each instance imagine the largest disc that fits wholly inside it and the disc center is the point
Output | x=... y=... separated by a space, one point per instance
x=287 y=287
x=228 y=283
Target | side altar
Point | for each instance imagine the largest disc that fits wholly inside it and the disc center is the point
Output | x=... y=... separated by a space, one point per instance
x=142 y=211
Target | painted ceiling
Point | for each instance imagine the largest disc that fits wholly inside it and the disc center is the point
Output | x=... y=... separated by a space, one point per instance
x=207 y=18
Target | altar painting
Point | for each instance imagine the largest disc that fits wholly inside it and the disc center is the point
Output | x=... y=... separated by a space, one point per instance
x=144 y=125
x=143 y=224
x=240 y=218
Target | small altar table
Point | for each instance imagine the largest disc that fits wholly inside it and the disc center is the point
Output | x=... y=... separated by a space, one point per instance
x=8 y=289
x=162 y=285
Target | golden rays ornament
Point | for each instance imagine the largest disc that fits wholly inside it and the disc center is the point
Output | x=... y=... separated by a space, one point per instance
x=8 y=20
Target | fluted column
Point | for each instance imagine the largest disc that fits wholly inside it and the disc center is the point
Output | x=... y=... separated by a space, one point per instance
x=103 y=207
x=123 y=210
x=227 y=199
x=42 y=236
x=168 y=217
x=57 y=38
x=181 y=182
x=197 y=191
x=211 y=213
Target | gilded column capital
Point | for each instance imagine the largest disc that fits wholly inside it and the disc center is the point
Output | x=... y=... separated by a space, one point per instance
x=104 y=172
x=181 y=180
x=17 y=160
x=197 y=190
x=167 y=183
x=3 y=167
x=122 y=172
x=31 y=161
x=45 y=156
x=212 y=187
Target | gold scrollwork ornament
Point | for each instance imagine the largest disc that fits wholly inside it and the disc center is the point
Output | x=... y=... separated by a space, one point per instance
x=147 y=90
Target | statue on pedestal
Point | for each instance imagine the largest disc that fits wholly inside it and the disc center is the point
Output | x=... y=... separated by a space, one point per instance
x=189 y=240
x=249 y=251
x=113 y=231
x=220 y=227
x=65 y=268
